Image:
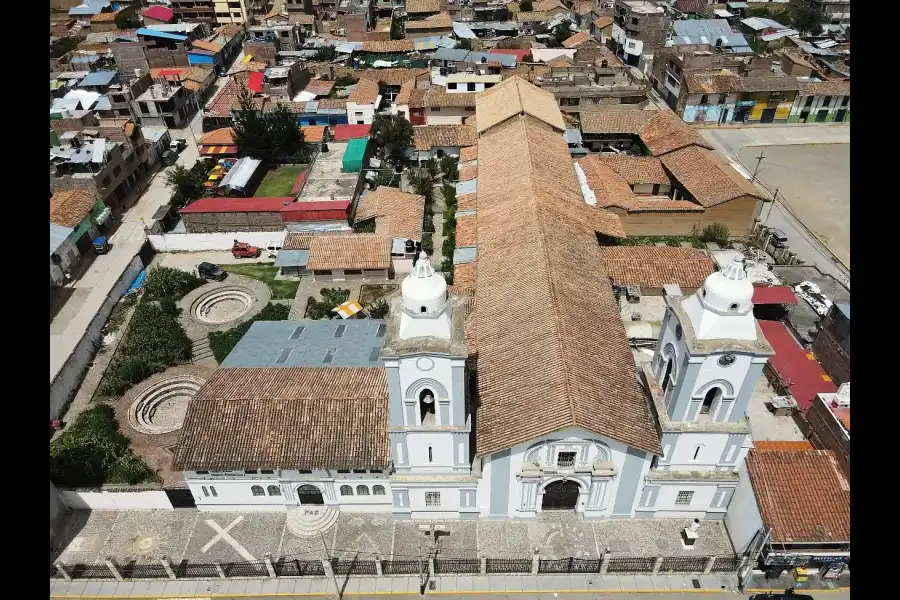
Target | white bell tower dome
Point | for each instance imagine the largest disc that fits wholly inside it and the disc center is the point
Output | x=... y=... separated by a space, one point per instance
x=426 y=312
x=723 y=307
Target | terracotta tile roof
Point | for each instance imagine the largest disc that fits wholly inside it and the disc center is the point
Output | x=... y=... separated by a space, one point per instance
x=287 y=418
x=723 y=81
x=209 y=46
x=313 y=133
x=802 y=496
x=656 y=266
x=405 y=93
x=614 y=121
x=358 y=251
x=782 y=446
x=366 y=92
x=226 y=99
x=245 y=67
x=69 y=207
x=218 y=137
x=559 y=61
x=466 y=202
x=468 y=173
x=466 y=231
x=229 y=30
x=637 y=169
x=640 y=205
x=547 y=5
x=427 y=137
x=471 y=121
x=665 y=132
x=770 y=83
x=319 y=87
x=439 y=20
x=609 y=187
x=825 y=88
x=540 y=369
x=393 y=77
x=397 y=214
x=197 y=74
x=468 y=154
x=584 y=7
x=332 y=103
x=437 y=97
x=422 y=6
x=464 y=274
x=706 y=177
x=532 y=16
x=608 y=223
x=576 y=40
x=388 y=46
x=601 y=22
x=300 y=241
x=513 y=97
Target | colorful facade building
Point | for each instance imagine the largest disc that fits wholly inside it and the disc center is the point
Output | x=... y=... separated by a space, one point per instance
x=822 y=102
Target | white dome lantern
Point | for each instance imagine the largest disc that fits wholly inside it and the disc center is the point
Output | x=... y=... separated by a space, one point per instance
x=723 y=307
x=424 y=302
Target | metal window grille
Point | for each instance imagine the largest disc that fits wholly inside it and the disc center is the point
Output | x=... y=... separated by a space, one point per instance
x=683 y=564
x=432 y=498
x=402 y=567
x=684 y=498
x=508 y=565
x=457 y=565
x=570 y=565
x=631 y=564
x=188 y=570
x=143 y=571
x=565 y=459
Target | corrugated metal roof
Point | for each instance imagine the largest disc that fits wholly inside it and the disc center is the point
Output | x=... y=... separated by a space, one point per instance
x=98 y=78
x=292 y=258
x=58 y=235
x=161 y=34
x=694 y=31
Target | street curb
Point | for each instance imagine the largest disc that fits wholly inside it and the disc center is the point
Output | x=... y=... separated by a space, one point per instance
x=430 y=593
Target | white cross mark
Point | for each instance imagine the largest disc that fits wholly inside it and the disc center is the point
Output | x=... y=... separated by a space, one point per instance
x=222 y=534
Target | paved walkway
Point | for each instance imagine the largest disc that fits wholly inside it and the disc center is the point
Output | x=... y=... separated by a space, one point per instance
x=543 y=586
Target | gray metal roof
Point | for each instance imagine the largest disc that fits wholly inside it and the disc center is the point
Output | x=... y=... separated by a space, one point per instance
x=292 y=258
x=309 y=343
x=466 y=187
x=844 y=308
x=708 y=31
x=572 y=136
x=459 y=55
x=463 y=256
x=98 y=78
x=58 y=235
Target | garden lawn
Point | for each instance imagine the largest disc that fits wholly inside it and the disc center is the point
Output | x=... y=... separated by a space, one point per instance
x=266 y=272
x=279 y=182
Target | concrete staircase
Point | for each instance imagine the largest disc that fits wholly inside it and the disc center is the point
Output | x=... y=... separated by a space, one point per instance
x=200 y=349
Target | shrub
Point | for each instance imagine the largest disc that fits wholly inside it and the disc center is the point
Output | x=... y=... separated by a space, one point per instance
x=92 y=451
x=221 y=343
x=717 y=233
x=450 y=195
x=367 y=226
x=431 y=165
x=163 y=282
x=447 y=264
x=331 y=298
x=449 y=167
x=378 y=309
x=449 y=225
x=448 y=276
x=427 y=243
x=447 y=247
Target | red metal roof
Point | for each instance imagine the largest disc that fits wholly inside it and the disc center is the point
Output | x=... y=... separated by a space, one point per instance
x=218 y=205
x=160 y=13
x=316 y=211
x=798 y=369
x=774 y=294
x=349 y=132
x=298 y=185
x=255 y=81
x=517 y=52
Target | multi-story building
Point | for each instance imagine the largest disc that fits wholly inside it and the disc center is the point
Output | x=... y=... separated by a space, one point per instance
x=832 y=344
x=286 y=36
x=836 y=11
x=230 y=11
x=591 y=86
x=165 y=104
x=194 y=11
x=822 y=102
x=639 y=30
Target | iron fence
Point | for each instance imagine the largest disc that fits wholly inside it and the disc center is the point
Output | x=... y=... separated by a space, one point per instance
x=83 y=571
x=457 y=565
x=570 y=565
x=353 y=567
x=245 y=569
x=683 y=564
x=403 y=567
x=187 y=570
x=725 y=564
x=135 y=570
x=299 y=568
x=508 y=565
x=630 y=564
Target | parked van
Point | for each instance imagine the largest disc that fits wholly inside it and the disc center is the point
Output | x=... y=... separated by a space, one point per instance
x=272 y=248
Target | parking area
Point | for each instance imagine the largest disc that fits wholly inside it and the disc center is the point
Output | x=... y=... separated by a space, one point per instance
x=89 y=537
x=188 y=261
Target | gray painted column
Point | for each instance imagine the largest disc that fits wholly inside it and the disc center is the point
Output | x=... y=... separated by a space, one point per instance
x=444 y=407
x=648 y=496
x=500 y=468
x=629 y=480
x=723 y=410
x=734 y=441
x=469 y=493
x=461 y=438
x=401 y=456
x=679 y=407
x=458 y=394
x=668 y=439
x=412 y=417
x=401 y=499
x=396 y=396
x=743 y=397
x=693 y=409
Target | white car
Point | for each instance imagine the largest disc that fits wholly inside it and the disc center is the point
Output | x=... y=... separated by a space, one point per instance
x=177 y=145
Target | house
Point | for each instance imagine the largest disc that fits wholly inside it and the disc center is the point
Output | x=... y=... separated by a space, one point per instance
x=196 y=80
x=828 y=420
x=822 y=102
x=284 y=82
x=641 y=28
x=223 y=215
x=438 y=24
x=218 y=143
x=832 y=343
x=157 y=14
x=360 y=256
x=287 y=37
x=397 y=214
x=293 y=257
x=437 y=141
x=601 y=29
x=74 y=216
x=768 y=31
x=194 y=11
x=63 y=254
x=421 y=9
x=231 y=12
x=590 y=82
x=112 y=168
x=772 y=482
x=363 y=101
x=443 y=107
x=206 y=54
x=106 y=21
x=166 y=105
x=835 y=11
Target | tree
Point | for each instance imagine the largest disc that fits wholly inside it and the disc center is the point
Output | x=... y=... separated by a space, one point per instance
x=186 y=184
x=287 y=136
x=807 y=20
x=265 y=136
x=345 y=80
x=378 y=309
x=526 y=6
x=465 y=44
x=561 y=33
x=528 y=58
x=393 y=134
x=166 y=282
x=130 y=21
x=325 y=53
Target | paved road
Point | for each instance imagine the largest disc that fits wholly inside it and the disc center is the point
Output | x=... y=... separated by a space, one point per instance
x=830 y=595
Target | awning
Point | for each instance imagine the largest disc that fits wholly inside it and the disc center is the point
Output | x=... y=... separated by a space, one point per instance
x=216 y=150
x=348 y=309
x=292 y=258
x=776 y=294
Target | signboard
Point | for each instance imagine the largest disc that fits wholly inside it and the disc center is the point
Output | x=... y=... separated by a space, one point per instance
x=746 y=103
x=801 y=559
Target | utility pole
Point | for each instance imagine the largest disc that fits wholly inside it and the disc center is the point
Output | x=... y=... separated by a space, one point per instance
x=774 y=200
x=330 y=569
x=759 y=160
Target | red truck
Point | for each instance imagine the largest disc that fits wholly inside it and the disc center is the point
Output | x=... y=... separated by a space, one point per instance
x=245 y=250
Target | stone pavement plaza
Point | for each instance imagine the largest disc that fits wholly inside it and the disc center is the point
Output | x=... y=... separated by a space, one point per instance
x=204 y=537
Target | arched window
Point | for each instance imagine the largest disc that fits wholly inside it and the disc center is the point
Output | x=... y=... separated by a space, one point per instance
x=346 y=490
x=668 y=373
x=713 y=395
x=257 y=490
x=378 y=490
x=733 y=307
x=362 y=490
x=205 y=492
x=427 y=406
x=274 y=490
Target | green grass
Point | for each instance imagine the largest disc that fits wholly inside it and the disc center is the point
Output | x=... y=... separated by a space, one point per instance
x=279 y=182
x=266 y=272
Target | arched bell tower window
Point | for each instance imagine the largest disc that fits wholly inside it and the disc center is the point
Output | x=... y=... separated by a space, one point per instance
x=714 y=394
x=733 y=307
x=427 y=407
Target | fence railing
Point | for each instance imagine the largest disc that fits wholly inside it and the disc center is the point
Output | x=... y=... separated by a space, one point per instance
x=368 y=566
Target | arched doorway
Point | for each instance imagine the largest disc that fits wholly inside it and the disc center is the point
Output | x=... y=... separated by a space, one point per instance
x=712 y=396
x=309 y=494
x=561 y=495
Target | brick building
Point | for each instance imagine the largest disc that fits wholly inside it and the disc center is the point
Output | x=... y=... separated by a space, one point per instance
x=832 y=344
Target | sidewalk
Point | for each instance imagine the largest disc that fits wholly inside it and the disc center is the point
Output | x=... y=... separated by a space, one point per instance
x=354 y=586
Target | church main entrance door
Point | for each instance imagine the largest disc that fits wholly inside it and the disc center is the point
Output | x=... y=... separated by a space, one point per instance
x=560 y=495
x=309 y=494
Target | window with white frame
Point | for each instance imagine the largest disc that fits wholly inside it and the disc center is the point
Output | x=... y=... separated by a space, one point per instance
x=565 y=460
x=346 y=490
x=257 y=490
x=684 y=498
x=432 y=498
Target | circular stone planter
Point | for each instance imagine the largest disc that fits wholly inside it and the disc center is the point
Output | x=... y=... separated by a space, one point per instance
x=161 y=407
x=221 y=305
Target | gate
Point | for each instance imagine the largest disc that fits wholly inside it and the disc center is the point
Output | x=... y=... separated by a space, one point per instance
x=353 y=567
x=299 y=568
x=403 y=567
x=457 y=565
x=181 y=498
x=561 y=495
x=508 y=565
x=570 y=565
x=309 y=494
x=683 y=564
x=631 y=564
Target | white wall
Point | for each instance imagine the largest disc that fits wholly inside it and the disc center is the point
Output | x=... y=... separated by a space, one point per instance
x=448 y=115
x=361 y=112
x=743 y=519
x=236 y=494
x=700 y=502
x=199 y=242
x=711 y=447
x=103 y=500
x=423 y=155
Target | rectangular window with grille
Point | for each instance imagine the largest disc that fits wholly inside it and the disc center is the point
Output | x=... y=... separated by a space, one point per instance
x=432 y=498
x=565 y=459
x=684 y=498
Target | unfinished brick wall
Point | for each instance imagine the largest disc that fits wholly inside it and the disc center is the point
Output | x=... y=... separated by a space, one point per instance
x=129 y=56
x=833 y=358
x=232 y=221
x=262 y=52
x=827 y=434
x=160 y=58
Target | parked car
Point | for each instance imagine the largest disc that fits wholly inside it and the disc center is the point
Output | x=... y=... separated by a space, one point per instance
x=169 y=158
x=101 y=245
x=245 y=250
x=177 y=145
x=781 y=596
x=272 y=248
x=210 y=271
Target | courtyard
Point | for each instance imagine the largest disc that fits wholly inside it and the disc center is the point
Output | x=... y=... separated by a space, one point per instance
x=279 y=182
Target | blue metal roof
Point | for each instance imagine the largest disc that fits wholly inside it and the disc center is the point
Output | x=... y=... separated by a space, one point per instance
x=98 y=78
x=309 y=343
x=58 y=235
x=466 y=187
x=463 y=256
x=292 y=258
x=161 y=34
